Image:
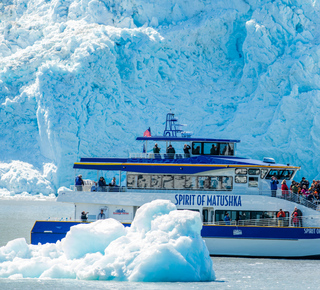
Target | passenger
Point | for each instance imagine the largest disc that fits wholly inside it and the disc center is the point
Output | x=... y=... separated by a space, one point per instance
x=84 y=216
x=274 y=186
x=299 y=215
x=295 y=219
x=206 y=183
x=227 y=219
x=214 y=150
x=102 y=184
x=186 y=149
x=171 y=151
x=304 y=182
x=304 y=191
x=79 y=182
x=285 y=189
x=294 y=191
x=196 y=151
x=113 y=182
x=94 y=187
x=101 y=215
x=280 y=215
x=156 y=149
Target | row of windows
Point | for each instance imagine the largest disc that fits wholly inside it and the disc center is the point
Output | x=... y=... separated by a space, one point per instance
x=239 y=215
x=179 y=182
x=212 y=148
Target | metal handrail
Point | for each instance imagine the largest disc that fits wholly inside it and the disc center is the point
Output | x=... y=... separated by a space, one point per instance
x=307 y=221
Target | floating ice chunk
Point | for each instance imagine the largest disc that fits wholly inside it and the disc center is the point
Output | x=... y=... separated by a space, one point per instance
x=91 y=238
x=163 y=244
x=15 y=248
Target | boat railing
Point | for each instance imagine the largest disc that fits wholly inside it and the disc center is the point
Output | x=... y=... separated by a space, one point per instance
x=308 y=221
x=158 y=155
x=108 y=188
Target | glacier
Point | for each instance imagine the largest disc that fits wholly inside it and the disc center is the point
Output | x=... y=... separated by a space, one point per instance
x=82 y=78
x=163 y=244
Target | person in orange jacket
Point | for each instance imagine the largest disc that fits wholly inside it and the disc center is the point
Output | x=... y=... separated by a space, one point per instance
x=280 y=215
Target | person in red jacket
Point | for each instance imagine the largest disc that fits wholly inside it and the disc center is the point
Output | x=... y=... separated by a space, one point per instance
x=285 y=189
x=280 y=215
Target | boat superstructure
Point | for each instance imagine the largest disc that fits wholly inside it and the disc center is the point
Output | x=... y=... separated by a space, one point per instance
x=209 y=178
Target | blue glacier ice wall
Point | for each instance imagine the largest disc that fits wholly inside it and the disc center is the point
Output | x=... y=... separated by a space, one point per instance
x=85 y=77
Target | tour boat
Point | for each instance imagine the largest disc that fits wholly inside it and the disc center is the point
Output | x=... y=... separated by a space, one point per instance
x=207 y=178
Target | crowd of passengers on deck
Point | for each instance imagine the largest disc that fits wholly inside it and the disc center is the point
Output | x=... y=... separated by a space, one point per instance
x=299 y=190
x=101 y=185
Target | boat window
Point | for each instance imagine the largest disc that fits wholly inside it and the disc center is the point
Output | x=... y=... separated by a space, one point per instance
x=223 y=148
x=241 y=170
x=191 y=182
x=156 y=181
x=227 y=182
x=196 y=148
x=179 y=181
x=280 y=174
x=253 y=171
x=131 y=181
x=250 y=217
x=143 y=181
x=285 y=174
x=204 y=182
x=167 y=181
x=271 y=173
x=263 y=173
x=216 y=183
x=240 y=179
x=210 y=148
x=205 y=215
x=253 y=181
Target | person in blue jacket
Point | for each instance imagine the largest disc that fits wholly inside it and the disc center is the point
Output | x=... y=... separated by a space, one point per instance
x=79 y=182
x=227 y=219
x=274 y=186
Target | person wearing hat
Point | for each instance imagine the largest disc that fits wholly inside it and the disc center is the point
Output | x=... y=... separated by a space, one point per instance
x=79 y=182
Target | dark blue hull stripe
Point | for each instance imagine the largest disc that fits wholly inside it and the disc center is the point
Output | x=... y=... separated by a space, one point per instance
x=52 y=231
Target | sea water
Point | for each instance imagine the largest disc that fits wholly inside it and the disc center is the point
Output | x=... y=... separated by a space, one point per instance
x=18 y=216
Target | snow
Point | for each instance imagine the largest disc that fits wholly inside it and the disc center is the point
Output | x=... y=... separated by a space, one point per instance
x=84 y=78
x=163 y=245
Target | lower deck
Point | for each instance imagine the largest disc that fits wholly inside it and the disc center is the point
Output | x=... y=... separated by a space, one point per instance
x=225 y=240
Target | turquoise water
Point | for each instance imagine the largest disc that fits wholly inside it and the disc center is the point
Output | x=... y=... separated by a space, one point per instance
x=18 y=217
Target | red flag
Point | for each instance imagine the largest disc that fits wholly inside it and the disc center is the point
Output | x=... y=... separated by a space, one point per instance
x=147 y=133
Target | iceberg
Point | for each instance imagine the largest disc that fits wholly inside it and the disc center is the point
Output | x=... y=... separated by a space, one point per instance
x=162 y=245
